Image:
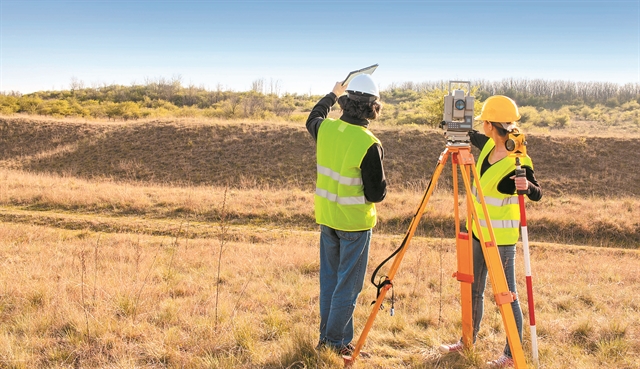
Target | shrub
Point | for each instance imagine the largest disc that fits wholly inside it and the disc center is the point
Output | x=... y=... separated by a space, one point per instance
x=299 y=118
x=213 y=112
x=125 y=110
x=29 y=104
x=56 y=108
x=187 y=112
x=95 y=108
x=561 y=118
x=612 y=102
x=77 y=110
x=8 y=104
x=630 y=106
x=545 y=118
x=529 y=115
x=416 y=118
x=284 y=106
x=432 y=108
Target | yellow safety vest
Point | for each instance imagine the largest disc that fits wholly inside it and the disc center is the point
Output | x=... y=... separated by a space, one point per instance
x=339 y=199
x=504 y=210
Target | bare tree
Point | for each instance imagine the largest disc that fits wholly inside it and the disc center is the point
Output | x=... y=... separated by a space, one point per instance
x=232 y=105
x=274 y=87
x=191 y=95
x=258 y=85
x=253 y=103
x=75 y=84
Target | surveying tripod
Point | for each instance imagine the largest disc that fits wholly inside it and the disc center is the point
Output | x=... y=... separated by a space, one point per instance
x=460 y=156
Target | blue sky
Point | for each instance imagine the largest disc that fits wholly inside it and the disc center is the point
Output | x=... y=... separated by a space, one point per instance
x=305 y=46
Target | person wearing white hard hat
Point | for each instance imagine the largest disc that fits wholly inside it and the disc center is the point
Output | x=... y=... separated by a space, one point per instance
x=499 y=185
x=350 y=179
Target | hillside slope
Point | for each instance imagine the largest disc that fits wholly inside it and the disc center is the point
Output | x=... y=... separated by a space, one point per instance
x=249 y=154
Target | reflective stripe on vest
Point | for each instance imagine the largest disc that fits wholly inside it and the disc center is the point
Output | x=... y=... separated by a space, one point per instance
x=494 y=201
x=339 y=199
x=337 y=177
x=503 y=209
x=353 y=200
x=501 y=223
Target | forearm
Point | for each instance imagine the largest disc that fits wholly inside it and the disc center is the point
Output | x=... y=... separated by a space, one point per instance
x=319 y=113
x=507 y=185
x=535 y=191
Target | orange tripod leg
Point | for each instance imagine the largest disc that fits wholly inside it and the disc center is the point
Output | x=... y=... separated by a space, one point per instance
x=464 y=253
x=501 y=291
x=465 y=276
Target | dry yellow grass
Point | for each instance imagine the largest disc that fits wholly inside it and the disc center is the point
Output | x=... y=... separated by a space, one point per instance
x=47 y=199
x=104 y=269
x=104 y=300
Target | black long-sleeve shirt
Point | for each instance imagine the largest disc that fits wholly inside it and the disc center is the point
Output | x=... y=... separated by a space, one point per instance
x=373 y=178
x=506 y=185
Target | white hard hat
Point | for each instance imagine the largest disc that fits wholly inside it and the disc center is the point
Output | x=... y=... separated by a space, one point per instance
x=363 y=84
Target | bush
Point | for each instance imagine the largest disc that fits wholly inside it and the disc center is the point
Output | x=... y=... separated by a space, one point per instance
x=77 y=110
x=284 y=106
x=8 y=104
x=155 y=113
x=187 y=112
x=213 y=112
x=95 y=109
x=431 y=107
x=612 y=102
x=298 y=118
x=596 y=113
x=631 y=105
x=125 y=110
x=56 y=108
x=29 y=104
x=545 y=118
x=416 y=118
x=529 y=115
x=561 y=118
x=130 y=110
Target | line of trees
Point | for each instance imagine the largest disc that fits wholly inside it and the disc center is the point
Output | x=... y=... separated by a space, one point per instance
x=538 y=93
x=551 y=103
x=543 y=103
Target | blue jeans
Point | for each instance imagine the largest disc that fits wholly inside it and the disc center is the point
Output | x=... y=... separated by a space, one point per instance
x=343 y=264
x=507 y=255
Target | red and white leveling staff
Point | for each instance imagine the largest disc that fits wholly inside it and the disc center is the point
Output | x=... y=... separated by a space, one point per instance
x=527 y=265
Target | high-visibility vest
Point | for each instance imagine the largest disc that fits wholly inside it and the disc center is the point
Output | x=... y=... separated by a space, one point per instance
x=339 y=199
x=504 y=210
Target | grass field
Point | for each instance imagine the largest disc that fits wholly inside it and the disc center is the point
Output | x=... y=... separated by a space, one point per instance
x=202 y=252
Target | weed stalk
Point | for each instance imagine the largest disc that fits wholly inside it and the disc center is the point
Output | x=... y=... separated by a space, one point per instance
x=83 y=272
x=222 y=238
x=95 y=271
x=144 y=283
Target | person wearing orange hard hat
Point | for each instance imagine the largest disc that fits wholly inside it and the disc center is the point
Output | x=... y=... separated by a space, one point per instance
x=499 y=184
